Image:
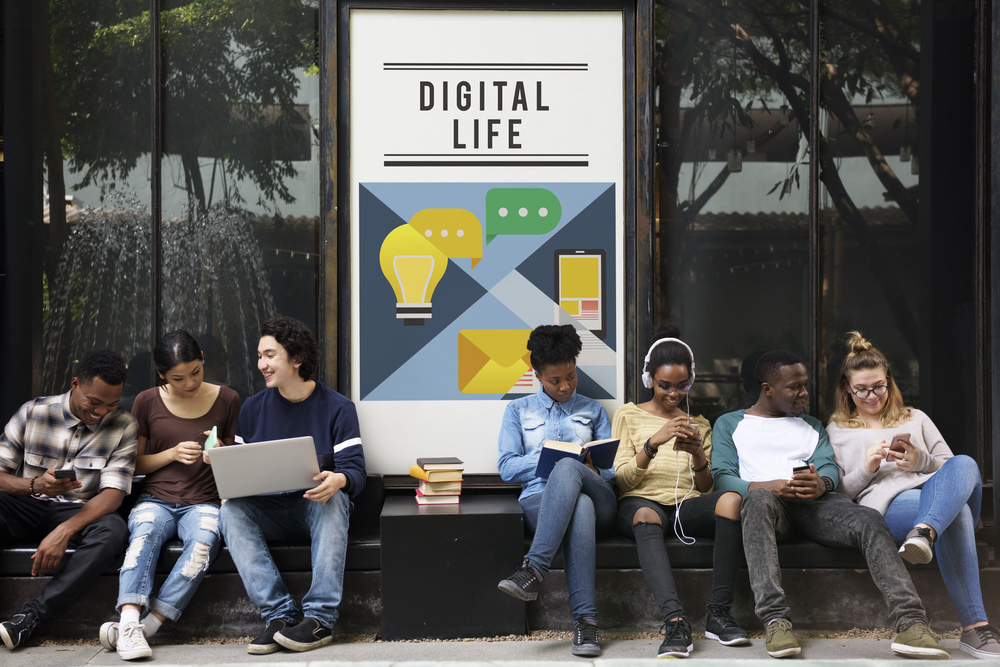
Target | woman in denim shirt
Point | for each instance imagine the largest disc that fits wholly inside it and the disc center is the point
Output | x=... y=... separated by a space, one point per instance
x=578 y=501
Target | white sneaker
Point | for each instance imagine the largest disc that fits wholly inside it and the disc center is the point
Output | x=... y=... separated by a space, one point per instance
x=132 y=642
x=109 y=636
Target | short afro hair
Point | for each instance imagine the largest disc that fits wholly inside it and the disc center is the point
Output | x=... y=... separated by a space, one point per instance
x=104 y=364
x=552 y=344
x=298 y=341
x=769 y=365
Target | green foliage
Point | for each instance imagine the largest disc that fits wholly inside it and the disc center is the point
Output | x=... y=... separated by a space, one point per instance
x=230 y=76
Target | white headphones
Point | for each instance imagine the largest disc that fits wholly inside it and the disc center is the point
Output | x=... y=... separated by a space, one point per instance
x=647 y=379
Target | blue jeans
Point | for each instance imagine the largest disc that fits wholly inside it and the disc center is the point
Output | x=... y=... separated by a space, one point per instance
x=949 y=502
x=574 y=508
x=249 y=523
x=151 y=523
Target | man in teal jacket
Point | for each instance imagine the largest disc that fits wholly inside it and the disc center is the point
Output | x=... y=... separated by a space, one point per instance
x=781 y=462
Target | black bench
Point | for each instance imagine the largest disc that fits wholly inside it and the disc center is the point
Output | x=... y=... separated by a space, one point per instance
x=363 y=553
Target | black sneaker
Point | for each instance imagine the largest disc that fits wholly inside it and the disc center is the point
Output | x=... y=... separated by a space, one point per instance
x=585 y=640
x=676 y=639
x=17 y=630
x=721 y=626
x=523 y=584
x=265 y=643
x=305 y=636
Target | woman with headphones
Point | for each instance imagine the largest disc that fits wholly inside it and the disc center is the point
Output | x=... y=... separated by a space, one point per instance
x=664 y=475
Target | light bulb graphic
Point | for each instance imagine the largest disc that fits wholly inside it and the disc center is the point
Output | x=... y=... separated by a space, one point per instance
x=413 y=266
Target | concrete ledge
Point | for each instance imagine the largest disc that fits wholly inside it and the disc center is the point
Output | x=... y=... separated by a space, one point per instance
x=827 y=600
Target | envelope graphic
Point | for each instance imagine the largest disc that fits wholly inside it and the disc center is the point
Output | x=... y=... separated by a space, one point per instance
x=491 y=361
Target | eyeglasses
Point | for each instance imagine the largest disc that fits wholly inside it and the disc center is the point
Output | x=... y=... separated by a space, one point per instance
x=680 y=388
x=865 y=393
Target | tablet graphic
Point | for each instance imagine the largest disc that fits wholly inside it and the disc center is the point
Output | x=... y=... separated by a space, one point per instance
x=580 y=287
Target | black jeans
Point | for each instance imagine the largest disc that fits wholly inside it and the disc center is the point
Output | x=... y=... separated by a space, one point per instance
x=698 y=519
x=834 y=521
x=24 y=519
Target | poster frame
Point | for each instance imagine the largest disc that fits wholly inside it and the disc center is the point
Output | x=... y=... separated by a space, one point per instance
x=337 y=292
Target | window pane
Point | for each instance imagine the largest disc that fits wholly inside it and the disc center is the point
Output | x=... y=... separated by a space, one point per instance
x=240 y=172
x=869 y=198
x=731 y=263
x=95 y=81
x=898 y=203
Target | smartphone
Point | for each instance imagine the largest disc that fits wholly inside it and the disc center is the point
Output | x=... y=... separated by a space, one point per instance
x=213 y=438
x=66 y=473
x=580 y=287
x=897 y=442
x=804 y=468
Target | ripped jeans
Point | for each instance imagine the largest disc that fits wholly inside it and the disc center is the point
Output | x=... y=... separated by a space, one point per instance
x=151 y=523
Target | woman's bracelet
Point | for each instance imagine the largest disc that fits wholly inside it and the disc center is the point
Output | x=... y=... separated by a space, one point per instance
x=650 y=452
x=701 y=468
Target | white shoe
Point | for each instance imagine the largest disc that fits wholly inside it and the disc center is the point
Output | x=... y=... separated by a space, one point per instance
x=132 y=642
x=109 y=636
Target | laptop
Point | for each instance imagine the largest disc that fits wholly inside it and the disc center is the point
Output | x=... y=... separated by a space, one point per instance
x=258 y=468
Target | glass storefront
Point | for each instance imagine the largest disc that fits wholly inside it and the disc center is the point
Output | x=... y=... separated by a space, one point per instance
x=743 y=255
x=238 y=173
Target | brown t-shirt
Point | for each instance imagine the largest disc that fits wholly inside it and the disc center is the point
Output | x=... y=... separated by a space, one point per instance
x=176 y=482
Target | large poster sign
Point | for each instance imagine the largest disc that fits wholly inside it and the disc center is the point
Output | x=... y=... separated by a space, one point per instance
x=487 y=153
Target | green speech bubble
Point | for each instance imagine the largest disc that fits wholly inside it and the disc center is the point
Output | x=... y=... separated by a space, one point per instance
x=521 y=211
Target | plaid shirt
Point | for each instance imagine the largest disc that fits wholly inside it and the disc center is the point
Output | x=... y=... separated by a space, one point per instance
x=44 y=433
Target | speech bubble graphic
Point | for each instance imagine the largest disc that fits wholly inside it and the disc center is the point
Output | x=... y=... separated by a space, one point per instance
x=521 y=211
x=454 y=231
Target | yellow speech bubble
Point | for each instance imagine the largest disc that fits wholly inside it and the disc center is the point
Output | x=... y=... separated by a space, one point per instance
x=454 y=231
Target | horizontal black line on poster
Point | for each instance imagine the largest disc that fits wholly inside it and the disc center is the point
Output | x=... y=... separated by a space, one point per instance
x=484 y=69
x=484 y=64
x=485 y=163
x=519 y=155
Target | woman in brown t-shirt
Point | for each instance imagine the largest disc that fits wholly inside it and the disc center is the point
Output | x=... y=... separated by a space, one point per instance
x=179 y=499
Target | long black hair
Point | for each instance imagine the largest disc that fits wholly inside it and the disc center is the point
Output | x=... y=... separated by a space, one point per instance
x=176 y=347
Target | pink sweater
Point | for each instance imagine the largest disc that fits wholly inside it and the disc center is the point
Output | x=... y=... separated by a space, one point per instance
x=877 y=489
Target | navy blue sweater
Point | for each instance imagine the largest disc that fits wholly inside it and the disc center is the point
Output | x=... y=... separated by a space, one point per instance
x=329 y=417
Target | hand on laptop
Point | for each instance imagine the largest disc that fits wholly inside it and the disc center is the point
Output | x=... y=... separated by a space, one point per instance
x=330 y=484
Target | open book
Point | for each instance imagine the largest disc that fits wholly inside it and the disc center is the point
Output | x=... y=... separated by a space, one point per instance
x=602 y=454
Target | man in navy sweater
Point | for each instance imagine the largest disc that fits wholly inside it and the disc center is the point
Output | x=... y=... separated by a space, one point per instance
x=293 y=405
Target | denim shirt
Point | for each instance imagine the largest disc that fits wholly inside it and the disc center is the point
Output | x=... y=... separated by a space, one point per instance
x=528 y=422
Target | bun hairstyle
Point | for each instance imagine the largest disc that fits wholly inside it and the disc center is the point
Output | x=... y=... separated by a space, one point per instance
x=667 y=350
x=552 y=344
x=863 y=356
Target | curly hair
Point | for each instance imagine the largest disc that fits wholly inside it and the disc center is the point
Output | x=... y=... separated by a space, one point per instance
x=670 y=353
x=104 y=364
x=176 y=347
x=553 y=344
x=769 y=365
x=298 y=341
x=864 y=356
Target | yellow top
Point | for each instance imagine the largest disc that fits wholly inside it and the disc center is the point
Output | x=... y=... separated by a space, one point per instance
x=668 y=470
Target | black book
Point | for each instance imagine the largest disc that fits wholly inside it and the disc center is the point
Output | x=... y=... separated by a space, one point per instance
x=441 y=463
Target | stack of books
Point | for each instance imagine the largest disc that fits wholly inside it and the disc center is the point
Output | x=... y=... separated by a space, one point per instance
x=440 y=480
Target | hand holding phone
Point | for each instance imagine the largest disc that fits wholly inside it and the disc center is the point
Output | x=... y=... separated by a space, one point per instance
x=897 y=442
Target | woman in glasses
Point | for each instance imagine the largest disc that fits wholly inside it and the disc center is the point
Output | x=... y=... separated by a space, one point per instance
x=894 y=459
x=664 y=475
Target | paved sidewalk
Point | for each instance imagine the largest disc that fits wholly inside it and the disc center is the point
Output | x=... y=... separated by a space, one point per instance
x=617 y=653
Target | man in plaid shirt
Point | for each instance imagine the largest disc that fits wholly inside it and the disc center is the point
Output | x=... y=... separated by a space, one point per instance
x=84 y=435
